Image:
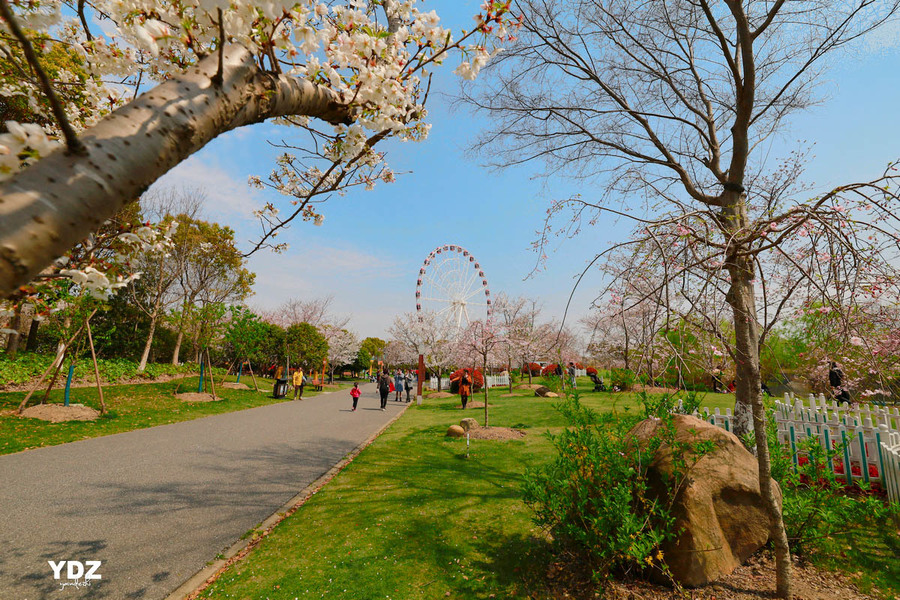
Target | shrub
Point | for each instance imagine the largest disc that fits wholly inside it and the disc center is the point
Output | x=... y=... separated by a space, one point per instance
x=455 y=376
x=549 y=370
x=29 y=366
x=591 y=371
x=622 y=378
x=595 y=498
x=533 y=369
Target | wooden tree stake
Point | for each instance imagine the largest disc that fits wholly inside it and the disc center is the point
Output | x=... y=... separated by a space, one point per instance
x=96 y=368
x=212 y=378
x=60 y=357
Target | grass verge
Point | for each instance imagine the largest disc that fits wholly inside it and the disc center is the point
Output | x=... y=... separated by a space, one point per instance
x=129 y=407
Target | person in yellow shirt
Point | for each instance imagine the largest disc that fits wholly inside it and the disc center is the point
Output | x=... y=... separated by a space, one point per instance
x=298 y=384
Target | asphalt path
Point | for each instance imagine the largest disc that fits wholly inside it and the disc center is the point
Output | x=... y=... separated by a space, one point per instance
x=156 y=505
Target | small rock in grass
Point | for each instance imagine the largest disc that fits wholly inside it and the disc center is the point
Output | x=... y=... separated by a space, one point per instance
x=455 y=431
x=468 y=424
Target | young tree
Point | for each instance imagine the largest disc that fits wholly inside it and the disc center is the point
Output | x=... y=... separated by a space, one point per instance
x=244 y=337
x=350 y=75
x=370 y=350
x=481 y=344
x=667 y=102
x=161 y=270
x=210 y=271
x=510 y=312
x=304 y=345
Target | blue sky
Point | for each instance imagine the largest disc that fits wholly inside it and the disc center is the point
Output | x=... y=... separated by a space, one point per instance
x=368 y=251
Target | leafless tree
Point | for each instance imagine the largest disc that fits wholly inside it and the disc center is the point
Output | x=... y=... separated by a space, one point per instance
x=664 y=105
x=316 y=312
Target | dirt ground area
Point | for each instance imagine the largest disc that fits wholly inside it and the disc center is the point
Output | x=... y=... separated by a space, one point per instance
x=197 y=397
x=57 y=413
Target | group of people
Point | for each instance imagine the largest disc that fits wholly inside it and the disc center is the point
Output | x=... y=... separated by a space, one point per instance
x=401 y=380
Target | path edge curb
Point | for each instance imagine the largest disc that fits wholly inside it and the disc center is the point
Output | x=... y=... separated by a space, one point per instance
x=207 y=575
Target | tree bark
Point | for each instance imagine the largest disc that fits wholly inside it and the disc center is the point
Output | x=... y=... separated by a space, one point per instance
x=31 y=344
x=741 y=297
x=53 y=204
x=177 y=349
x=146 y=354
x=12 y=342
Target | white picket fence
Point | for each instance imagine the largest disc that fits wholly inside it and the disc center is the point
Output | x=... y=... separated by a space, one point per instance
x=492 y=381
x=865 y=436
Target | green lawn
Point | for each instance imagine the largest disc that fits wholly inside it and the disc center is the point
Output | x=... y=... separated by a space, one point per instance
x=412 y=517
x=130 y=407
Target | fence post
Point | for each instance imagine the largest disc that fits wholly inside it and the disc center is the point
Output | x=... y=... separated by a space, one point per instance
x=848 y=473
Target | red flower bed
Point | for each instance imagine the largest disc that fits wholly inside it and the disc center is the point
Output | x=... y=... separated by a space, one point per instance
x=549 y=369
x=591 y=371
x=855 y=470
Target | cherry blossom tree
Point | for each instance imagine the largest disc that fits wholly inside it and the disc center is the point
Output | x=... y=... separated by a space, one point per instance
x=316 y=311
x=342 y=347
x=527 y=339
x=427 y=334
x=481 y=344
x=348 y=75
x=396 y=354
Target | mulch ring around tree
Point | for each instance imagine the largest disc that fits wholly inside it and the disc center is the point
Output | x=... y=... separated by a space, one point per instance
x=471 y=404
x=440 y=395
x=752 y=581
x=233 y=385
x=528 y=386
x=197 y=397
x=495 y=433
x=57 y=413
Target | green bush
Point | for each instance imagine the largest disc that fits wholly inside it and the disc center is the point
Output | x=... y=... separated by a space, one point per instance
x=28 y=366
x=595 y=498
x=623 y=379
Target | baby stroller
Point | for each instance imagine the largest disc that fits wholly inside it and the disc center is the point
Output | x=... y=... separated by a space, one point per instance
x=598 y=382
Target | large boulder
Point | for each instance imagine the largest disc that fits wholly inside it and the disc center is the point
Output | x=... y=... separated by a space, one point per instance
x=455 y=431
x=468 y=424
x=719 y=513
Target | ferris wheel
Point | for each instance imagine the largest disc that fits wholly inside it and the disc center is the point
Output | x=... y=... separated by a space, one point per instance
x=452 y=285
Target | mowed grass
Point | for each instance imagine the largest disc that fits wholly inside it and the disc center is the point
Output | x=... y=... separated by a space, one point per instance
x=412 y=517
x=129 y=407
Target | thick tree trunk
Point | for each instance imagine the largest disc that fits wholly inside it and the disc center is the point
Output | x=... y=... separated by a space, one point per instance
x=58 y=201
x=741 y=297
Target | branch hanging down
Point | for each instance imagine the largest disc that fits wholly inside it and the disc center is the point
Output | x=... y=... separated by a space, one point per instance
x=50 y=206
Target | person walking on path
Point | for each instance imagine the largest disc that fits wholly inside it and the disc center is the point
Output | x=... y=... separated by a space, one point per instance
x=465 y=388
x=384 y=387
x=571 y=371
x=398 y=385
x=354 y=393
x=298 y=383
x=408 y=383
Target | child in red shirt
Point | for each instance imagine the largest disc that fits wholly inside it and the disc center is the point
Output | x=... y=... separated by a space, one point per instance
x=355 y=392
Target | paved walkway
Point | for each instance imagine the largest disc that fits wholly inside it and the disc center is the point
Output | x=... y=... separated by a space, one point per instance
x=156 y=505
